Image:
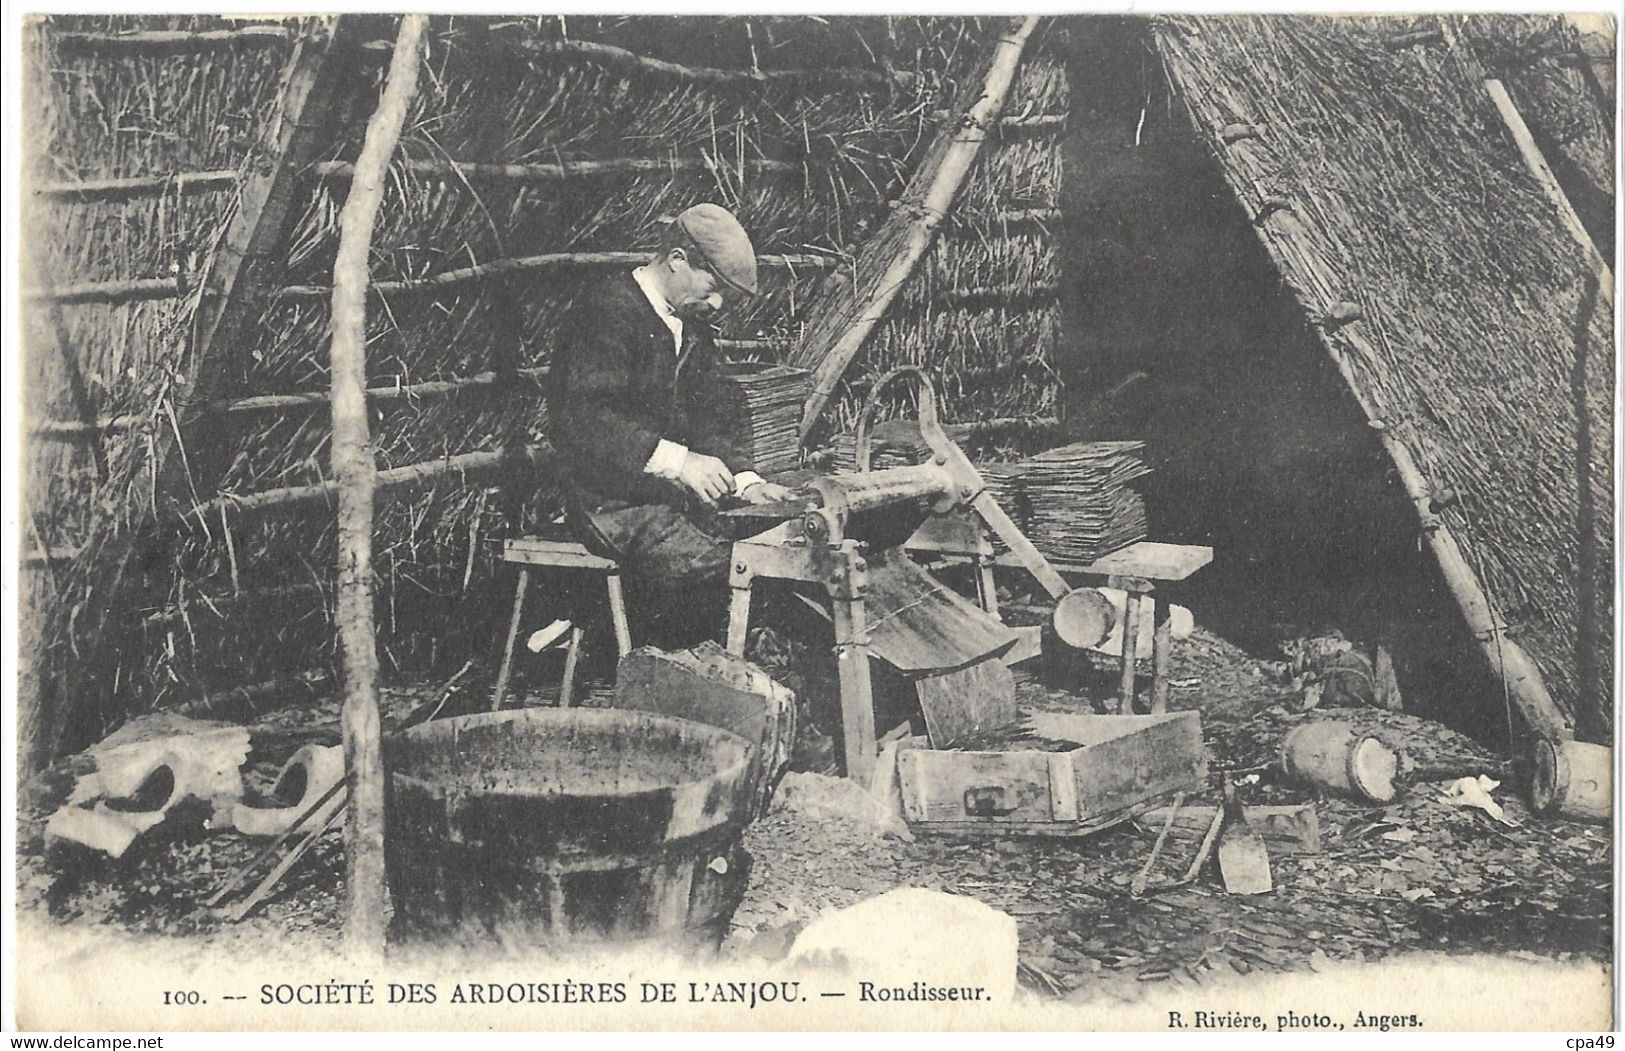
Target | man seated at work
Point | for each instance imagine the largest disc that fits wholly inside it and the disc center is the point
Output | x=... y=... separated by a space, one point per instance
x=635 y=409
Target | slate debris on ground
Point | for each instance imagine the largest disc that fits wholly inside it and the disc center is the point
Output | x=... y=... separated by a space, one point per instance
x=1415 y=874
x=1452 y=878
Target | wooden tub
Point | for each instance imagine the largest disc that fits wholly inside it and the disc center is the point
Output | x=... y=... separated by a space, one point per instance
x=550 y=826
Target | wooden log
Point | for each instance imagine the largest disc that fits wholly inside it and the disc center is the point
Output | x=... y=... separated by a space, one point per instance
x=1025 y=216
x=149 y=288
x=192 y=182
x=426 y=389
x=168 y=42
x=935 y=184
x=250 y=255
x=245 y=703
x=1034 y=124
x=1573 y=780
x=1331 y=756
x=1012 y=126
x=409 y=476
x=137 y=290
x=1000 y=425
x=1507 y=659
x=551 y=261
x=1029 y=215
x=747 y=346
x=130 y=187
x=365 y=912
x=1016 y=294
x=549 y=173
x=67 y=430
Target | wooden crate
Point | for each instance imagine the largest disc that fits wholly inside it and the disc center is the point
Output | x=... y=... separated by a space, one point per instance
x=1124 y=766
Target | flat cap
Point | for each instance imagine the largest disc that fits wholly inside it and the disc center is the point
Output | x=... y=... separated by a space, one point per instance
x=723 y=244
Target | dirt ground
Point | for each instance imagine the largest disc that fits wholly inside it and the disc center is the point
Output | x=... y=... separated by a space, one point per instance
x=1418 y=874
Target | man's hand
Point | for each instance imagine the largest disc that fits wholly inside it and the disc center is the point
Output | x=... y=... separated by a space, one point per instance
x=766 y=493
x=706 y=476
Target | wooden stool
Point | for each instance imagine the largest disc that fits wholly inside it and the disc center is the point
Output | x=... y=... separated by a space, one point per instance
x=1136 y=570
x=560 y=554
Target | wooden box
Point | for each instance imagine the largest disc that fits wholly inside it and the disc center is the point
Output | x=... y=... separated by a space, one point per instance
x=1124 y=765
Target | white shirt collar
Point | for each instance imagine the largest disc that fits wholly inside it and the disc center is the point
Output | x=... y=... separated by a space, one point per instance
x=646 y=282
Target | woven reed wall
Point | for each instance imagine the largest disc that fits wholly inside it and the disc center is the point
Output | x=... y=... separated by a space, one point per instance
x=88 y=118
x=981 y=311
x=243 y=596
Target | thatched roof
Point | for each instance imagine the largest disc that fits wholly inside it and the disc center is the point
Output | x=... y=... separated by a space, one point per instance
x=183 y=531
x=1442 y=280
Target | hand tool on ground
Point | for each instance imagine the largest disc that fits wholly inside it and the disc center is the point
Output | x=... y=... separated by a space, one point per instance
x=1203 y=851
x=265 y=886
x=1244 y=861
x=1137 y=887
x=421 y=714
x=271 y=850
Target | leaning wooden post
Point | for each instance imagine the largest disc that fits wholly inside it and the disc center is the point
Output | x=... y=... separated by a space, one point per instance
x=900 y=244
x=355 y=471
x=1541 y=172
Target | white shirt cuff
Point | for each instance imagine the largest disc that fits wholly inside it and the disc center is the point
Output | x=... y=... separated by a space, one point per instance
x=744 y=480
x=667 y=461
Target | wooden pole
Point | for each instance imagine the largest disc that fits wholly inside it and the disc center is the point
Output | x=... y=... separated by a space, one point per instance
x=169 y=42
x=946 y=170
x=250 y=255
x=354 y=469
x=135 y=290
x=131 y=187
x=564 y=170
x=1535 y=161
x=622 y=60
x=287 y=403
x=145 y=288
x=405 y=477
x=549 y=261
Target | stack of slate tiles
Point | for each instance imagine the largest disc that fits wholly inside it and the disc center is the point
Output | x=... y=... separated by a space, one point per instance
x=763 y=405
x=1074 y=502
x=1078 y=501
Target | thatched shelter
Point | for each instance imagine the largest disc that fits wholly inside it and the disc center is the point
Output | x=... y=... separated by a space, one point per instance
x=1387 y=339
x=1328 y=214
x=191 y=170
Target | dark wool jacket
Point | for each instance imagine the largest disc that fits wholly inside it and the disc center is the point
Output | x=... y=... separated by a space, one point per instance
x=617 y=388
